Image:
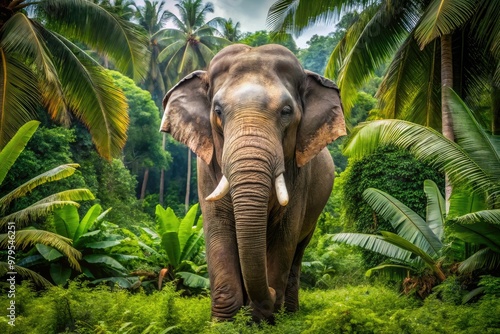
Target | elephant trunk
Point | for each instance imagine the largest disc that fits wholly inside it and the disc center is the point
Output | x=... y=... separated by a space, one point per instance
x=251 y=166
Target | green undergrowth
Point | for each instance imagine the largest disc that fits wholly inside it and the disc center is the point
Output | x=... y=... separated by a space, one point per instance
x=359 y=309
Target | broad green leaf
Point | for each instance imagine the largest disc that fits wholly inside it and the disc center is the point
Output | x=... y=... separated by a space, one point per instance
x=66 y=221
x=406 y=245
x=435 y=208
x=102 y=244
x=166 y=219
x=170 y=243
x=25 y=273
x=186 y=226
x=464 y=201
x=87 y=221
x=193 y=280
x=405 y=221
x=392 y=271
x=374 y=243
x=482 y=228
x=48 y=252
x=60 y=274
x=192 y=245
x=485 y=259
x=105 y=260
x=11 y=151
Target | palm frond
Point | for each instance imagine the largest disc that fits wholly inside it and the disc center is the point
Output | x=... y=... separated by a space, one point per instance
x=374 y=243
x=19 y=95
x=410 y=89
x=38 y=279
x=79 y=194
x=34 y=211
x=485 y=258
x=436 y=209
x=426 y=144
x=481 y=228
x=105 y=31
x=57 y=173
x=92 y=95
x=10 y=153
x=483 y=148
x=464 y=201
x=368 y=53
x=442 y=17
x=405 y=221
x=295 y=15
x=30 y=237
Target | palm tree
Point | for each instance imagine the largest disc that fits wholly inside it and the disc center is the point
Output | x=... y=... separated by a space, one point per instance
x=423 y=38
x=15 y=221
x=42 y=66
x=191 y=45
x=418 y=36
x=230 y=30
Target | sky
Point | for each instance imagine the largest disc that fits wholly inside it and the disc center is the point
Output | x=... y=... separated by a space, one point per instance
x=252 y=16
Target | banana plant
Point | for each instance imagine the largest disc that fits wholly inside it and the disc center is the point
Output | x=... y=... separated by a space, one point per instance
x=472 y=164
x=18 y=220
x=416 y=244
x=98 y=261
x=177 y=242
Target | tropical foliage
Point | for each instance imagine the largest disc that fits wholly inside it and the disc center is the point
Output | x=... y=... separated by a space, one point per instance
x=42 y=66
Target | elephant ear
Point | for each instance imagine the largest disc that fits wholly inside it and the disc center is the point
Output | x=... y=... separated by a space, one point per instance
x=187 y=115
x=322 y=120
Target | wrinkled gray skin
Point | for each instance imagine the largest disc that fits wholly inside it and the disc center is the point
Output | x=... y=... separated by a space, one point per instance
x=254 y=114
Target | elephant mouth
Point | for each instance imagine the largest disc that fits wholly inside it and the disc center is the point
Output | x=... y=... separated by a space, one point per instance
x=223 y=188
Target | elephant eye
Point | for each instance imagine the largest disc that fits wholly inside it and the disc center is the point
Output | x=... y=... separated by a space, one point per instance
x=286 y=111
x=218 y=110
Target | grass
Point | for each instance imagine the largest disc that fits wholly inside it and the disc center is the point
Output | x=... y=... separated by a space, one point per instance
x=358 y=309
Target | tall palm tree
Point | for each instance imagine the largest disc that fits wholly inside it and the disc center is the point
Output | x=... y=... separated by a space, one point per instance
x=449 y=43
x=427 y=40
x=42 y=66
x=230 y=30
x=191 y=46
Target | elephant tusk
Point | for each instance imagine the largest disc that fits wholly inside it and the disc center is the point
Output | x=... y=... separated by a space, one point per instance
x=281 y=191
x=221 y=190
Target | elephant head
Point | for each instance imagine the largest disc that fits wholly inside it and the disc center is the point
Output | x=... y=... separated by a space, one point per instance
x=257 y=117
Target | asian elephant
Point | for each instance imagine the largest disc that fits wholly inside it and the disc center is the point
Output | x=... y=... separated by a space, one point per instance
x=259 y=124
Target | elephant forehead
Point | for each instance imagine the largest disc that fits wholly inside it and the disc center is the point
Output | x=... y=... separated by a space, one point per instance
x=262 y=95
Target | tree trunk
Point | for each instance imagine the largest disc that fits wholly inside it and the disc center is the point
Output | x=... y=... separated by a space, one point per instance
x=144 y=183
x=446 y=84
x=162 y=173
x=495 y=119
x=188 y=181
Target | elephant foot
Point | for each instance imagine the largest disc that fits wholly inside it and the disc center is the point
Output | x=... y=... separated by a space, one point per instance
x=264 y=310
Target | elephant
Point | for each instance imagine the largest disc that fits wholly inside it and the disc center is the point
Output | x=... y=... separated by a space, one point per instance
x=259 y=124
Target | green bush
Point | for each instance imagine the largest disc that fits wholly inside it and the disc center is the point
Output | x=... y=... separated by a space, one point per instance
x=391 y=170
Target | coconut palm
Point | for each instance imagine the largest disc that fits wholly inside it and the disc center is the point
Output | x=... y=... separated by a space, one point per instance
x=15 y=221
x=43 y=66
x=422 y=38
x=193 y=41
x=230 y=30
x=191 y=46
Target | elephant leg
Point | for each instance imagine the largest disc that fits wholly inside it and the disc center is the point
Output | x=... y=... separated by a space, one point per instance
x=292 y=287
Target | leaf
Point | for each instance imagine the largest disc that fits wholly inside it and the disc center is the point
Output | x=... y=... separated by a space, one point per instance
x=170 y=243
x=166 y=219
x=186 y=226
x=405 y=221
x=59 y=273
x=191 y=246
x=102 y=244
x=10 y=153
x=194 y=281
x=435 y=209
x=392 y=271
x=482 y=228
x=66 y=221
x=26 y=273
x=104 y=260
x=48 y=252
x=485 y=259
x=87 y=221
x=464 y=201
x=406 y=245
x=374 y=243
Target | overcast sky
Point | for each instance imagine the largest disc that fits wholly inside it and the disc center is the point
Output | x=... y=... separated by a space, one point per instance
x=252 y=16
